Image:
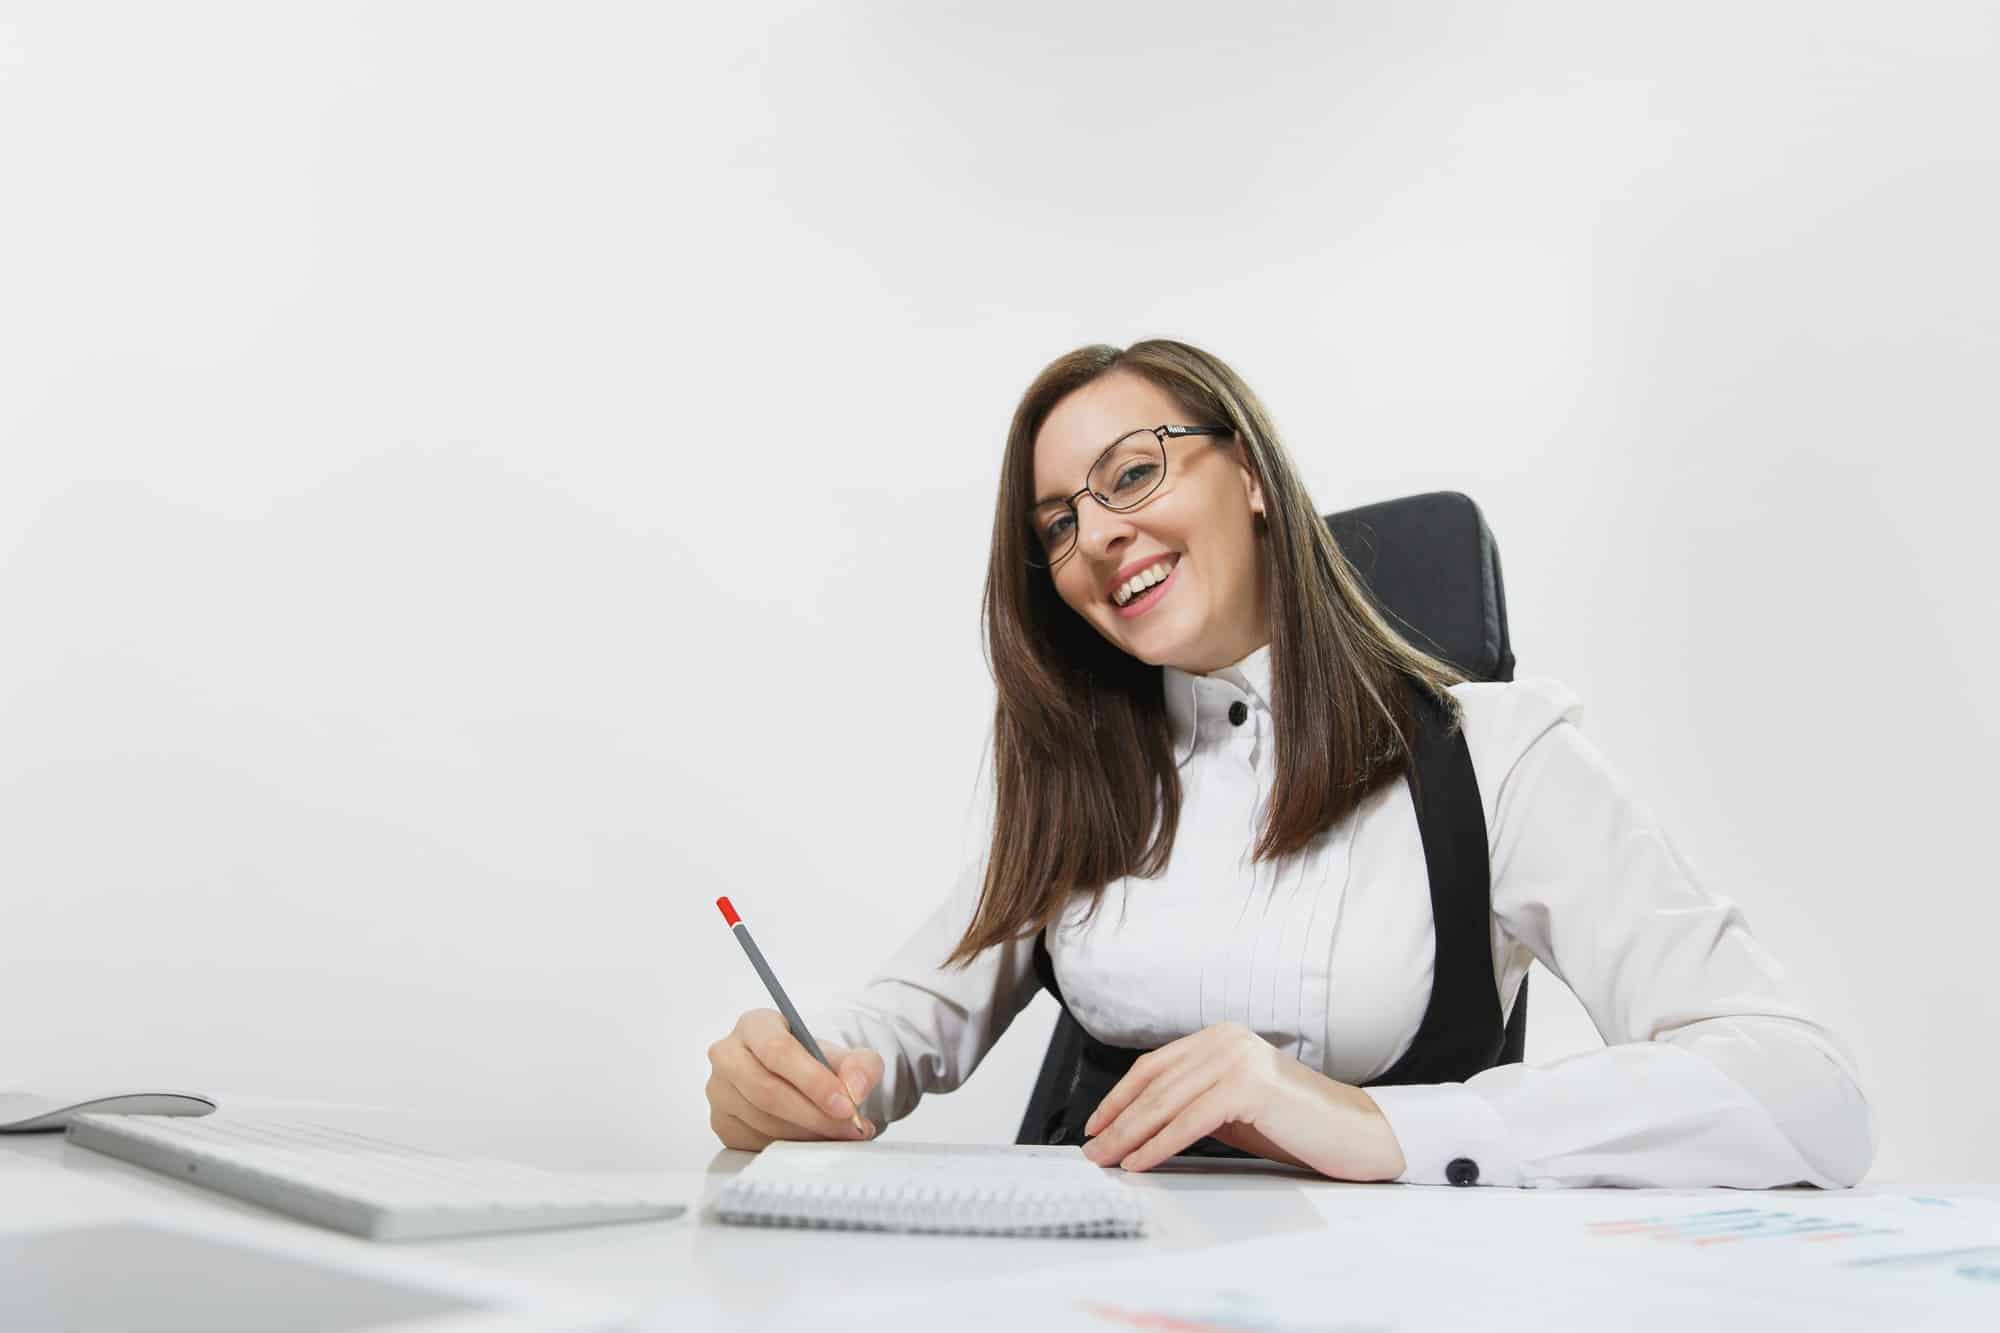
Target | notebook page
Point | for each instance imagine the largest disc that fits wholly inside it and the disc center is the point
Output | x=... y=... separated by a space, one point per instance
x=969 y=1189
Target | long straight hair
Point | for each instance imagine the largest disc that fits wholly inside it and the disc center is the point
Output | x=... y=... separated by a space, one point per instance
x=1086 y=788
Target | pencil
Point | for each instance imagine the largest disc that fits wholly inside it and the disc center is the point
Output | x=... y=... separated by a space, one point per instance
x=784 y=1002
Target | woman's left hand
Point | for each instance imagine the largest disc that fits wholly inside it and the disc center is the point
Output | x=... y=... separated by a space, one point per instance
x=1227 y=1081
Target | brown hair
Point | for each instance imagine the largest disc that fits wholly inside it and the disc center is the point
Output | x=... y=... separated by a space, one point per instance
x=1086 y=788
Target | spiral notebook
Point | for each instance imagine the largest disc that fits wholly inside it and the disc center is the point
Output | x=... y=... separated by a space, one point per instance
x=976 y=1190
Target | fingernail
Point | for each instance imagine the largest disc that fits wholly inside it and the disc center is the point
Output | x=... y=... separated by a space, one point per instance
x=837 y=1104
x=856 y=1086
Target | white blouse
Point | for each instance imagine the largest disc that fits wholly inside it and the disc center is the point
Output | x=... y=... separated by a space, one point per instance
x=1712 y=1073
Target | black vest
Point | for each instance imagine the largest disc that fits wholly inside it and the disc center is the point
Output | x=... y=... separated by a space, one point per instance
x=1462 y=1032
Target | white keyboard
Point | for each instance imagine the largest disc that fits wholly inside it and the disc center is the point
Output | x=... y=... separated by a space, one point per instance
x=353 y=1183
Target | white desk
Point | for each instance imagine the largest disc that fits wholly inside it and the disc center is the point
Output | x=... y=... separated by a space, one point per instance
x=723 y=1276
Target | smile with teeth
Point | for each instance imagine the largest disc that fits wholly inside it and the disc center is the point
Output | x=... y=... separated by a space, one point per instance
x=1143 y=580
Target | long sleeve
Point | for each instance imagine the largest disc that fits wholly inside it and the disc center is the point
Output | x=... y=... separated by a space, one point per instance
x=930 y=1024
x=1712 y=1074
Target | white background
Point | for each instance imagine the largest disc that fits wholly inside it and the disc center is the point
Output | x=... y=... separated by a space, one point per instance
x=482 y=481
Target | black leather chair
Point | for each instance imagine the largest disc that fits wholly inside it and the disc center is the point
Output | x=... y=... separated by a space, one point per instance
x=1431 y=566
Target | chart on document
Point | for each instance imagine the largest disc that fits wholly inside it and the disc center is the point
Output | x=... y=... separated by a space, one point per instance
x=1896 y=1232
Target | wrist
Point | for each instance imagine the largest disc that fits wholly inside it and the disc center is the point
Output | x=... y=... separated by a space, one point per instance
x=1344 y=1134
x=1394 y=1164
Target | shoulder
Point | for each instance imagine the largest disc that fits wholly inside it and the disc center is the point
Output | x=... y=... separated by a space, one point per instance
x=1504 y=720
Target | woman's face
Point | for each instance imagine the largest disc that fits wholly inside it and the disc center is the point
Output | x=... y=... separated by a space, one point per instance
x=1209 y=612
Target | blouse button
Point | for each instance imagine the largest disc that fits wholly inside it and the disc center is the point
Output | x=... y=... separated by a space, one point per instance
x=1462 y=1171
x=1239 y=713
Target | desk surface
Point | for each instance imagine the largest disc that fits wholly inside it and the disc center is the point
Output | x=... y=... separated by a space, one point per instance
x=717 y=1275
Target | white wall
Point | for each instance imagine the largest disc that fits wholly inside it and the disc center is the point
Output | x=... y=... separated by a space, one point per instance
x=481 y=481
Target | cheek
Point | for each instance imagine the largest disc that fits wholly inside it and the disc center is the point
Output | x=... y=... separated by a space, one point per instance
x=1226 y=569
x=1075 y=594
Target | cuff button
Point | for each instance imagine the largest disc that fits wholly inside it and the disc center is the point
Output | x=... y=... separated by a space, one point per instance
x=1462 y=1171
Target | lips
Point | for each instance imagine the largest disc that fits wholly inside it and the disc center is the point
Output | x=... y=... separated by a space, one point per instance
x=1146 y=600
x=1119 y=579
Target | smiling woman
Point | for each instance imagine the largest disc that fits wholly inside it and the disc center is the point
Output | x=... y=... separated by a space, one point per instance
x=1184 y=660
x=1081 y=731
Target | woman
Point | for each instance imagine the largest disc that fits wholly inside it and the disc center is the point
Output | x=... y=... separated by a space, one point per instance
x=1202 y=813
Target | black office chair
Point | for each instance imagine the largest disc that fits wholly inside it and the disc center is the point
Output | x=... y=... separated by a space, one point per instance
x=1430 y=564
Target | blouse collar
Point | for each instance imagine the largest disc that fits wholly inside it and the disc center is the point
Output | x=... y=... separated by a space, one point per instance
x=1191 y=698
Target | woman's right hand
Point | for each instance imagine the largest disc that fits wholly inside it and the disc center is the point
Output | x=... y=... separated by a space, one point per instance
x=763 y=1085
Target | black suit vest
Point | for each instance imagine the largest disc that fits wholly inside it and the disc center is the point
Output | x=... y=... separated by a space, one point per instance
x=1462 y=1032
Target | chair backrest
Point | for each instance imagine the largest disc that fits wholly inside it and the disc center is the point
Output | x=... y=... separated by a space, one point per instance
x=1431 y=566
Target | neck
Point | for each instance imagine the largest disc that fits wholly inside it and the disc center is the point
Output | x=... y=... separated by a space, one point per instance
x=1227 y=656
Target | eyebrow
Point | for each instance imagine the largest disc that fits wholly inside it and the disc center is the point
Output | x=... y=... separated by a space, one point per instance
x=1102 y=450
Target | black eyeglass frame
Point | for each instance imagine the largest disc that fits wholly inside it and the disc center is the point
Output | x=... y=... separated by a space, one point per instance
x=1160 y=433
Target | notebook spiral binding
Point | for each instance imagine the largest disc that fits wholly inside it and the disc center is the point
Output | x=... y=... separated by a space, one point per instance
x=980 y=1212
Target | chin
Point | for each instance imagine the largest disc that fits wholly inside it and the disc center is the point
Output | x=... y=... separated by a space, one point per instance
x=1156 y=649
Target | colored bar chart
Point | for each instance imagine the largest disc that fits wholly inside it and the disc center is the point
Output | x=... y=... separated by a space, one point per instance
x=1737 y=1226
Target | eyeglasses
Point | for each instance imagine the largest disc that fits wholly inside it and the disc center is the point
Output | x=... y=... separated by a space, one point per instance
x=1122 y=478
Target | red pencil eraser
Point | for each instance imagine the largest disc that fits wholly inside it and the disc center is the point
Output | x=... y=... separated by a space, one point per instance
x=728 y=912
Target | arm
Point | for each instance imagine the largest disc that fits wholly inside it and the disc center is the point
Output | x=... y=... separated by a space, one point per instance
x=932 y=1025
x=1713 y=1074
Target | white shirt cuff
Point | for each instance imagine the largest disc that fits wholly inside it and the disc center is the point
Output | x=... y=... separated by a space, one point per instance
x=1449 y=1135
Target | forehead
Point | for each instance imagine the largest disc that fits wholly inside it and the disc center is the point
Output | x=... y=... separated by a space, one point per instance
x=1079 y=427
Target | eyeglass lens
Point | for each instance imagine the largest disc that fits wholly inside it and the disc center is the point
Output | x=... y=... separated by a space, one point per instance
x=1125 y=474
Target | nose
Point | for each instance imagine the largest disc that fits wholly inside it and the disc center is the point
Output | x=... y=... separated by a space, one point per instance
x=1099 y=531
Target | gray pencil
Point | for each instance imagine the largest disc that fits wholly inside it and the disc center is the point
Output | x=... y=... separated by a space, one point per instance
x=784 y=1001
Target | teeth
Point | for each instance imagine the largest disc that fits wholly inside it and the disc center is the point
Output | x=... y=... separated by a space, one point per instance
x=1141 y=581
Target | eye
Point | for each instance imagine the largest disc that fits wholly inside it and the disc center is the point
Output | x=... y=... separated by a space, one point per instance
x=1135 y=476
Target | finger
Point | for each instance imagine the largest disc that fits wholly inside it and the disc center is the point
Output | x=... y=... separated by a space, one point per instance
x=779 y=1051
x=770 y=1039
x=778 y=1099
x=1200 y=1117
x=1146 y=1115
x=860 y=1071
x=1243 y=1135
x=1176 y=1055
x=735 y=1134
x=856 y=1072
x=731 y=1101
x=1128 y=1089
